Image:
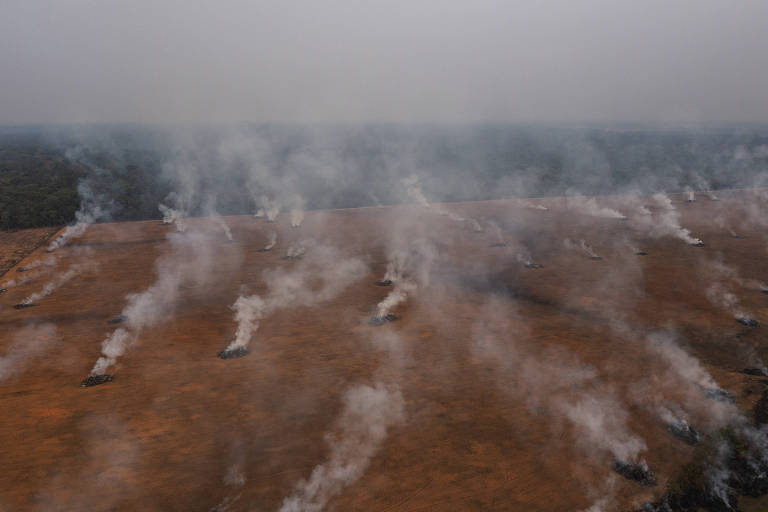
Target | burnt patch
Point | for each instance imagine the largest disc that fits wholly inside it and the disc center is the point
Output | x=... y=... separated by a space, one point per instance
x=636 y=472
x=381 y=320
x=95 y=380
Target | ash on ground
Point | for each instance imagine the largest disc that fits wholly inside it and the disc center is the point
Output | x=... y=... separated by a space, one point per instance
x=381 y=320
x=637 y=472
x=233 y=353
x=95 y=380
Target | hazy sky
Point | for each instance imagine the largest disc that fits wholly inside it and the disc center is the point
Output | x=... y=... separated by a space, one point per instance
x=333 y=60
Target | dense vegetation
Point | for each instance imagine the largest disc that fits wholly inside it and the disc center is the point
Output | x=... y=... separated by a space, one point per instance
x=45 y=172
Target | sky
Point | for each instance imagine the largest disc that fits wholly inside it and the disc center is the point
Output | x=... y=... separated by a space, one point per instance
x=428 y=61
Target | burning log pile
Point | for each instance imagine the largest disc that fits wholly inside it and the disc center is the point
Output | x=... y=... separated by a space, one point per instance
x=233 y=353
x=641 y=253
x=117 y=320
x=749 y=322
x=683 y=431
x=23 y=269
x=637 y=472
x=498 y=244
x=381 y=320
x=533 y=265
x=698 y=243
x=95 y=380
x=757 y=372
x=3 y=290
x=23 y=305
x=596 y=258
x=384 y=282
x=264 y=249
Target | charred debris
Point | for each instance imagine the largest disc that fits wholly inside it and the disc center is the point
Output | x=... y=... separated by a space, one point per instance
x=95 y=380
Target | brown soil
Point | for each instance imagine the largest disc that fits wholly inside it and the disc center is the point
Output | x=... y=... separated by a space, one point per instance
x=163 y=434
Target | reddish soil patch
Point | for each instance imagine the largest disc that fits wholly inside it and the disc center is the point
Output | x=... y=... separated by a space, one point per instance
x=163 y=434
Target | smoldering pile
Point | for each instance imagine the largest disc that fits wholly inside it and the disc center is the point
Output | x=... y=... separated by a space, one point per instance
x=639 y=472
x=381 y=320
x=761 y=371
x=233 y=353
x=22 y=305
x=270 y=244
x=117 y=320
x=719 y=395
x=3 y=290
x=384 y=282
x=95 y=380
x=583 y=247
x=749 y=322
x=682 y=430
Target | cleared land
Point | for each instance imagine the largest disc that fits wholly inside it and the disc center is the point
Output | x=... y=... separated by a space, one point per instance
x=482 y=433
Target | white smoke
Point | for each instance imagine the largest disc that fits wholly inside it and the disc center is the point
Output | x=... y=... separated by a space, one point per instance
x=26 y=344
x=667 y=222
x=297 y=217
x=412 y=186
x=580 y=245
x=589 y=206
x=90 y=211
x=600 y=420
x=496 y=229
x=57 y=281
x=316 y=279
x=221 y=223
x=173 y=215
x=271 y=241
x=189 y=260
x=395 y=297
x=369 y=412
x=535 y=206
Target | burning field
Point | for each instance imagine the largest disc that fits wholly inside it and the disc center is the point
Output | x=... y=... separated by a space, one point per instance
x=535 y=362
